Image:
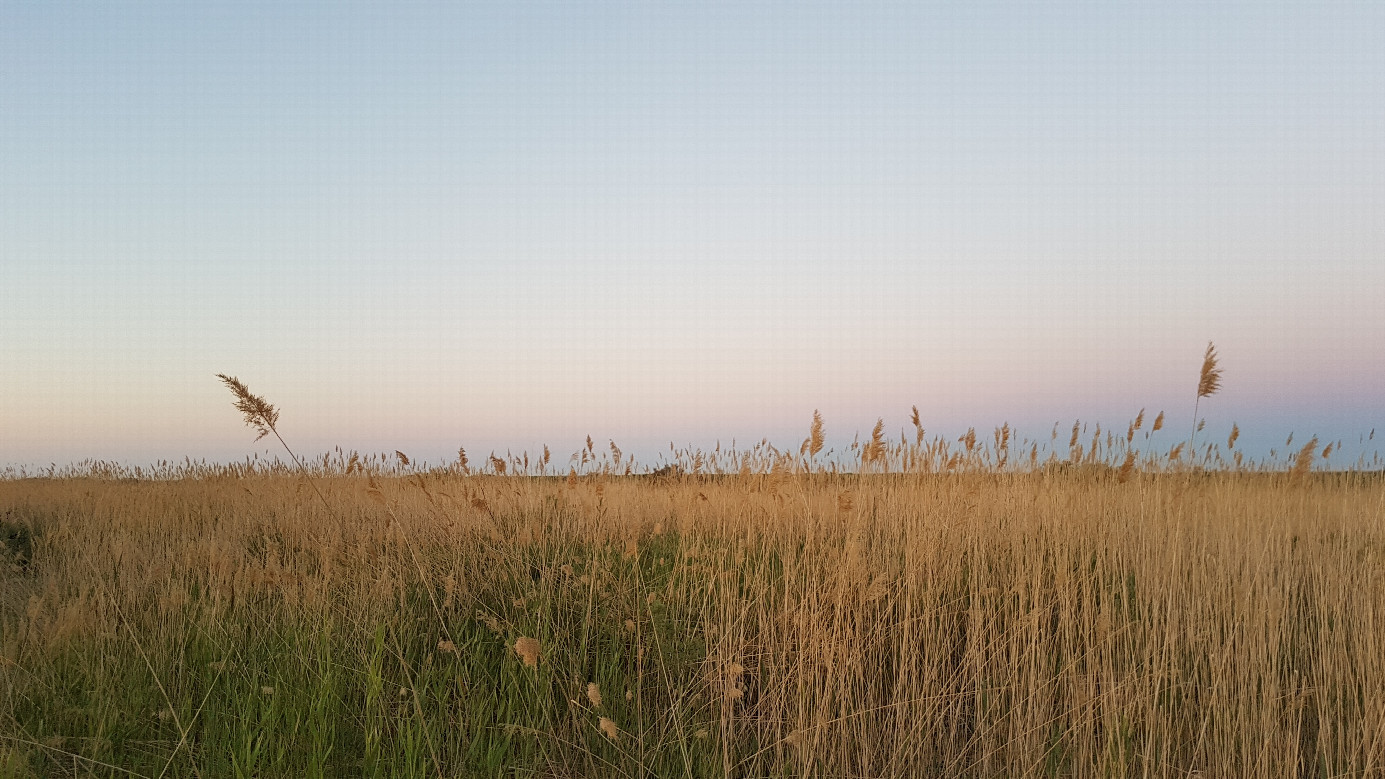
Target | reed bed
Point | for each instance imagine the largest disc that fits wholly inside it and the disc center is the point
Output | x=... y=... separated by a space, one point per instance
x=962 y=608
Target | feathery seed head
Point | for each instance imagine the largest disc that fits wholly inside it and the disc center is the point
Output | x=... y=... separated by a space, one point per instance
x=969 y=440
x=1127 y=467
x=258 y=412
x=1303 y=462
x=815 y=435
x=1209 y=381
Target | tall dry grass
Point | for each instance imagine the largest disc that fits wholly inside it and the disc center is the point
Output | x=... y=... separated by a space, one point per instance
x=1075 y=621
x=967 y=608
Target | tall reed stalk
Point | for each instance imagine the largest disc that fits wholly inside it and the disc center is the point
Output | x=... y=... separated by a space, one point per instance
x=1209 y=381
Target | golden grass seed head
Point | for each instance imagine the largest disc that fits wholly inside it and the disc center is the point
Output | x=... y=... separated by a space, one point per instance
x=1303 y=461
x=815 y=437
x=1209 y=380
x=258 y=412
x=1127 y=468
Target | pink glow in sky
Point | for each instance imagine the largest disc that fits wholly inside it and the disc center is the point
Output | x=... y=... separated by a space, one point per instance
x=504 y=225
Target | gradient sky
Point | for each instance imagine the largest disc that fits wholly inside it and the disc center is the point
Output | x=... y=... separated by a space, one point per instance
x=417 y=226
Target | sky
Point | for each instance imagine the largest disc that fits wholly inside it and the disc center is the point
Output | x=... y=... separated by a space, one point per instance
x=419 y=226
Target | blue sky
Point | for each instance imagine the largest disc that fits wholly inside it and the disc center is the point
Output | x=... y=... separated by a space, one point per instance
x=500 y=225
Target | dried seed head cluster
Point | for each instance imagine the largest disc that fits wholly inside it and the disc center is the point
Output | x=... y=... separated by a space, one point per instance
x=1209 y=380
x=528 y=651
x=1303 y=462
x=815 y=439
x=258 y=412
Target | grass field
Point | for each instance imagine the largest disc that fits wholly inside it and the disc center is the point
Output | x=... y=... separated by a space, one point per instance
x=949 y=611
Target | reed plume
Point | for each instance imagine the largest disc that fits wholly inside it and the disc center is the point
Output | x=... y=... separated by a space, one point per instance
x=1303 y=461
x=263 y=416
x=1209 y=381
x=875 y=450
x=259 y=413
x=1127 y=467
x=815 y=435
